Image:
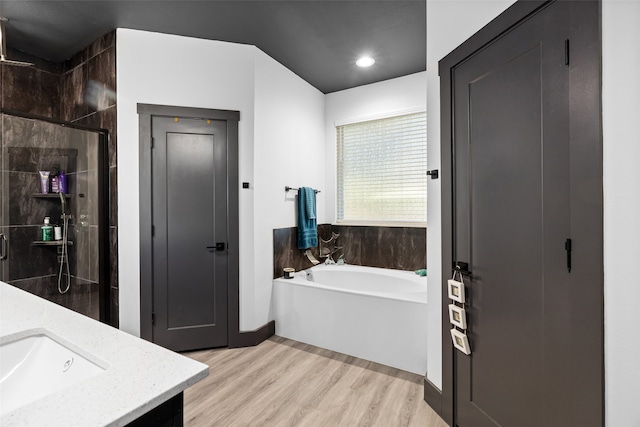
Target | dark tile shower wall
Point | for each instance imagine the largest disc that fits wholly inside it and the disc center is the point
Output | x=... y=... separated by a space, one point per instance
x=88 y=87
x=29 y=146
x=400 y=248
x=80 y=90
x=31 y=90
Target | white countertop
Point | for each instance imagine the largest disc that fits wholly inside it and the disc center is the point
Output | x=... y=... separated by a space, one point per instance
x=139 y=375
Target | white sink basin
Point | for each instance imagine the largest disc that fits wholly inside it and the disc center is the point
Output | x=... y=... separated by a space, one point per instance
x=37 y=365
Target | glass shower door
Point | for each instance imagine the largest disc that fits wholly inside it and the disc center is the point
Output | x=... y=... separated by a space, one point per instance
x=68 y=268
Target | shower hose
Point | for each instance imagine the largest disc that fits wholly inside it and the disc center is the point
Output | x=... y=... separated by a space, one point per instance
x=64 y=258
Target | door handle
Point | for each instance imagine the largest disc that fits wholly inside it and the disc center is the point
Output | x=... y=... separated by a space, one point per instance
x=462 y=267
x=220 y=246
x=3 y=249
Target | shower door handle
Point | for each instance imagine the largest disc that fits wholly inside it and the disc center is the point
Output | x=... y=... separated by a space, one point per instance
x=3 y=245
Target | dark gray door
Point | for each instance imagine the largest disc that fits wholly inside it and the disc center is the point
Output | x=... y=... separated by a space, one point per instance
x=512 y=216
x=189 y=180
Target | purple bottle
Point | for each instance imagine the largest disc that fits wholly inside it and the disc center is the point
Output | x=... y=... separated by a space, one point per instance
x=55 y=184
x=62 y=183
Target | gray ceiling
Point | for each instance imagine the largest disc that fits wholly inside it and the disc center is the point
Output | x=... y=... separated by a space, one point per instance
x=318 y=40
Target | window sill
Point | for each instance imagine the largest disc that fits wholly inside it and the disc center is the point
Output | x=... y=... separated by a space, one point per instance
x=355 y=223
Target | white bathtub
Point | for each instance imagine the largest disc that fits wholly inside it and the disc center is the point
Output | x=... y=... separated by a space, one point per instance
x=371 y=313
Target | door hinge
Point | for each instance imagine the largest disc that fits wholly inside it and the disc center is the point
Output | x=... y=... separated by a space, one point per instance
x=153 y=318
x=153 y=231
x=152 y=141
x=567 y=247
x=566 y=52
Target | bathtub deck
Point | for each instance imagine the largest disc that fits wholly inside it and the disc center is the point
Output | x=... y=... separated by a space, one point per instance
x=283 y=382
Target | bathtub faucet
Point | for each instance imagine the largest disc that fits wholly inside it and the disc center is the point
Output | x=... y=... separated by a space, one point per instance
x=328 y=248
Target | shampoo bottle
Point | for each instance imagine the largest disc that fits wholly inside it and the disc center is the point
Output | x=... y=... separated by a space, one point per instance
x=62 y=182
x=44 y=181
x=55 y=184
x=47 y=230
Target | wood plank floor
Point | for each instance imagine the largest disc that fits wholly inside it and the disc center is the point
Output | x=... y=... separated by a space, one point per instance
x=287 y=383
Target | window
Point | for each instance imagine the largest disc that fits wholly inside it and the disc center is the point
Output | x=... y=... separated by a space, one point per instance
x=382 y=170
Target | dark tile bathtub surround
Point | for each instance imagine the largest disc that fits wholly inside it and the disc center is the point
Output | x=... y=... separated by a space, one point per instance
x=80 y=90
x=286 y=252
x=400 y=248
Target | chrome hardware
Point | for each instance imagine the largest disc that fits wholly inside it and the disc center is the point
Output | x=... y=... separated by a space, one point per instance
x=3 y=250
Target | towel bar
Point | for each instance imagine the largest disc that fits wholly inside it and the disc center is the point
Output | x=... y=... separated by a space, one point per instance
x=287 y=188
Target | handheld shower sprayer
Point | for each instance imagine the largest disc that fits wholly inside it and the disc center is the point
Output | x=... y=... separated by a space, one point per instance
x=64 y=204
x=64 y=256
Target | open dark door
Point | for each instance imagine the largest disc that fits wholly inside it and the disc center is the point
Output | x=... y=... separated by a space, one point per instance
x=190 y=262
x=517 y=198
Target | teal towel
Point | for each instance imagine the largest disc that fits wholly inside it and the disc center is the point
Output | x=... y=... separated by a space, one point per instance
x=307 y=223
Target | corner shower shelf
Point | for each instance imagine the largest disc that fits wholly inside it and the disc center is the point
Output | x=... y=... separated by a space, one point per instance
x=49 y=243
x=49 y=195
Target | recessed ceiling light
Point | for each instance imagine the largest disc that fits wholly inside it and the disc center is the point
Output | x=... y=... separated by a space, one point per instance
x=365 y=61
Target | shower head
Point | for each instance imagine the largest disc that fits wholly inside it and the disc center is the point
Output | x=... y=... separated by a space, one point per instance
x=3 y=47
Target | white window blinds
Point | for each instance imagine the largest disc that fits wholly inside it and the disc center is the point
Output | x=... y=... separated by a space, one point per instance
x=382 y=170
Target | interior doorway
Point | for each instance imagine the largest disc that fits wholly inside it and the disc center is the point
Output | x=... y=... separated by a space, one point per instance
x=189 y=212
x=189 y=227
x=522 y=216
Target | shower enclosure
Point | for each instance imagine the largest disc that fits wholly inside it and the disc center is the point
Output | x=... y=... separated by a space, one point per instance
x=72 y=270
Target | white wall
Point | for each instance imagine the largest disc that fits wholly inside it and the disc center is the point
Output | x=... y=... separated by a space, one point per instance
x=377 y=100
x=210 y=74
x=289 y=151
x=621 y=130
x=449 y=23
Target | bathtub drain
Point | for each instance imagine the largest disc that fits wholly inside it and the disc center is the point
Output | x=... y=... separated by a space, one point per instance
x=67 y=365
